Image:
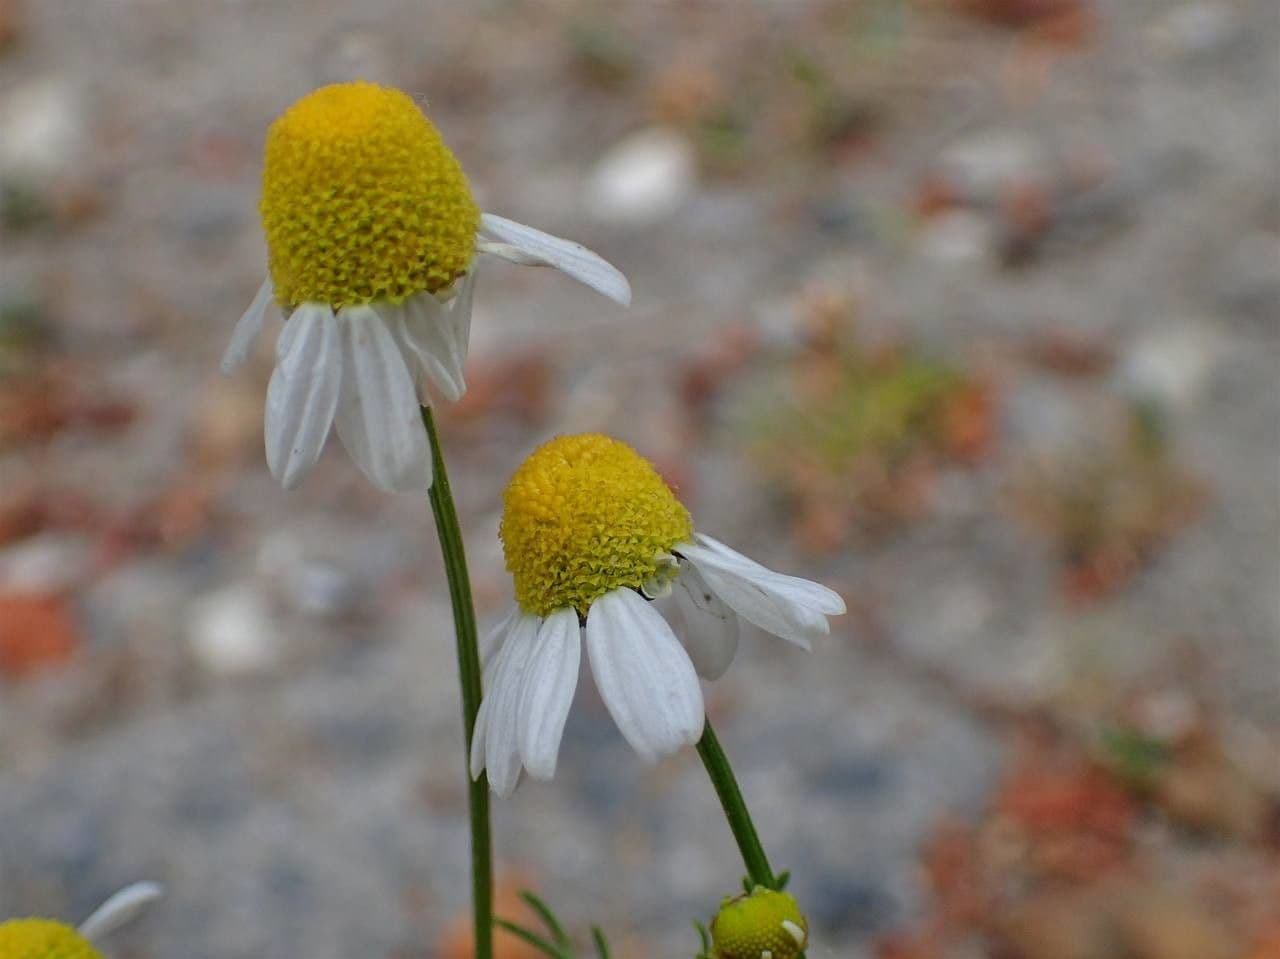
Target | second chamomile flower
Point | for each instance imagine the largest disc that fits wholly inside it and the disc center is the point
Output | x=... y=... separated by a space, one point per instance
x=591 y=534
x=373 y=240
x=49 y=939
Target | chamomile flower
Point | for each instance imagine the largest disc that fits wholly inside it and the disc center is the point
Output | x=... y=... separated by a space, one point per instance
x=591 y=534
x=50 y=939
x=373 y=240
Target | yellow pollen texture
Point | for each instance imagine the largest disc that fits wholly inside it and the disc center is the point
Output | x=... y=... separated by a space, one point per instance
x=582 y=516
x=43 y=939
x=761 y=922
x=362 y=201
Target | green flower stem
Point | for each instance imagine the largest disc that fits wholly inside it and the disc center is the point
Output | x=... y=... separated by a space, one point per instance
x=464 y=623
x=735 y=808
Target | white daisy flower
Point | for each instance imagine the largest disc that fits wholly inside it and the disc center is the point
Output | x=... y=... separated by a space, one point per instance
x=373 y=241
x=591 y=534
x=50 y=939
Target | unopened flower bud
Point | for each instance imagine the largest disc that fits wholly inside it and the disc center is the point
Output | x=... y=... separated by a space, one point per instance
x=761 y=924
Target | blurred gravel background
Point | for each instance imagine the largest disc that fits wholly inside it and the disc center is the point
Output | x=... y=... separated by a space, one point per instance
x=1073 y=207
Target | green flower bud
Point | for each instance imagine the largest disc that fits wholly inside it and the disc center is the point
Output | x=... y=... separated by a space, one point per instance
x=762 y=924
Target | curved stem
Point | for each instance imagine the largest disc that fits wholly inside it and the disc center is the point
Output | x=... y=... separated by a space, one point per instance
x=464 y=622
x=735 y=808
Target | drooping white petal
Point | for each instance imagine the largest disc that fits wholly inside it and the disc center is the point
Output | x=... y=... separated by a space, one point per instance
x=421 y=324
x=492 y=669
x=379 y=419
x=458 y=319
x=303 y=393
x=795 y=624
x=549 y=686
x=512 y=254
x=761 y=600
x=644 y=675
x=120 y=909
x=711 y=627
x=480 y=731
x=492 y=640
x=572 y=259
x=814 y=595
x=502 y=727
x=247 y=329
x=493 y=650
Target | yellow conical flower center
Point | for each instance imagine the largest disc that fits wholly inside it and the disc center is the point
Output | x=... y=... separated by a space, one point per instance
x=362 y=201
x=584 y=515
x=43 y=939
x=761 y=925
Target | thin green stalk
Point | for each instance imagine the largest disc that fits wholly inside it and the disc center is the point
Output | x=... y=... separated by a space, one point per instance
x=464 y=623
x=735 y=809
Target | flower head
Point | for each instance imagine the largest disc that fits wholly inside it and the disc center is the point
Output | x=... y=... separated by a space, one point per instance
x=591 y=535
x=49 y=939
x=362 y=201
x=43 y=939
x=761 y=924
x=373 y=240
x=585 y=515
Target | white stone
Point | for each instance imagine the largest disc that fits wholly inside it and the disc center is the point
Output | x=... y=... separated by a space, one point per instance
x=230 y=632
x=42 y=128
x=49 y=562
x=643 y=178
x=1171 y=366
x=1195 y=28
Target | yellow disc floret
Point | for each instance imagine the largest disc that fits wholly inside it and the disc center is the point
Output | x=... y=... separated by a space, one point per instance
x=585 y=515
x=362 y=201
x=43 y=939
x=762 y=924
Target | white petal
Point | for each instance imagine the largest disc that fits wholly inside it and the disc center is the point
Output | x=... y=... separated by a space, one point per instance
x=644 y=675
x=502 y=730
x=549 y=685
x=421 y=323
x=711 y=627
x=303 y=392
x=786 y=606
x=492 y=648
x=458 y=319
x=794 y=624
x=492 y=640
x=120 y=909
x=379 y=419
x=247 y=329
x=572 y=259
x=815 y=595
x=480 y=731
x=512 y=254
